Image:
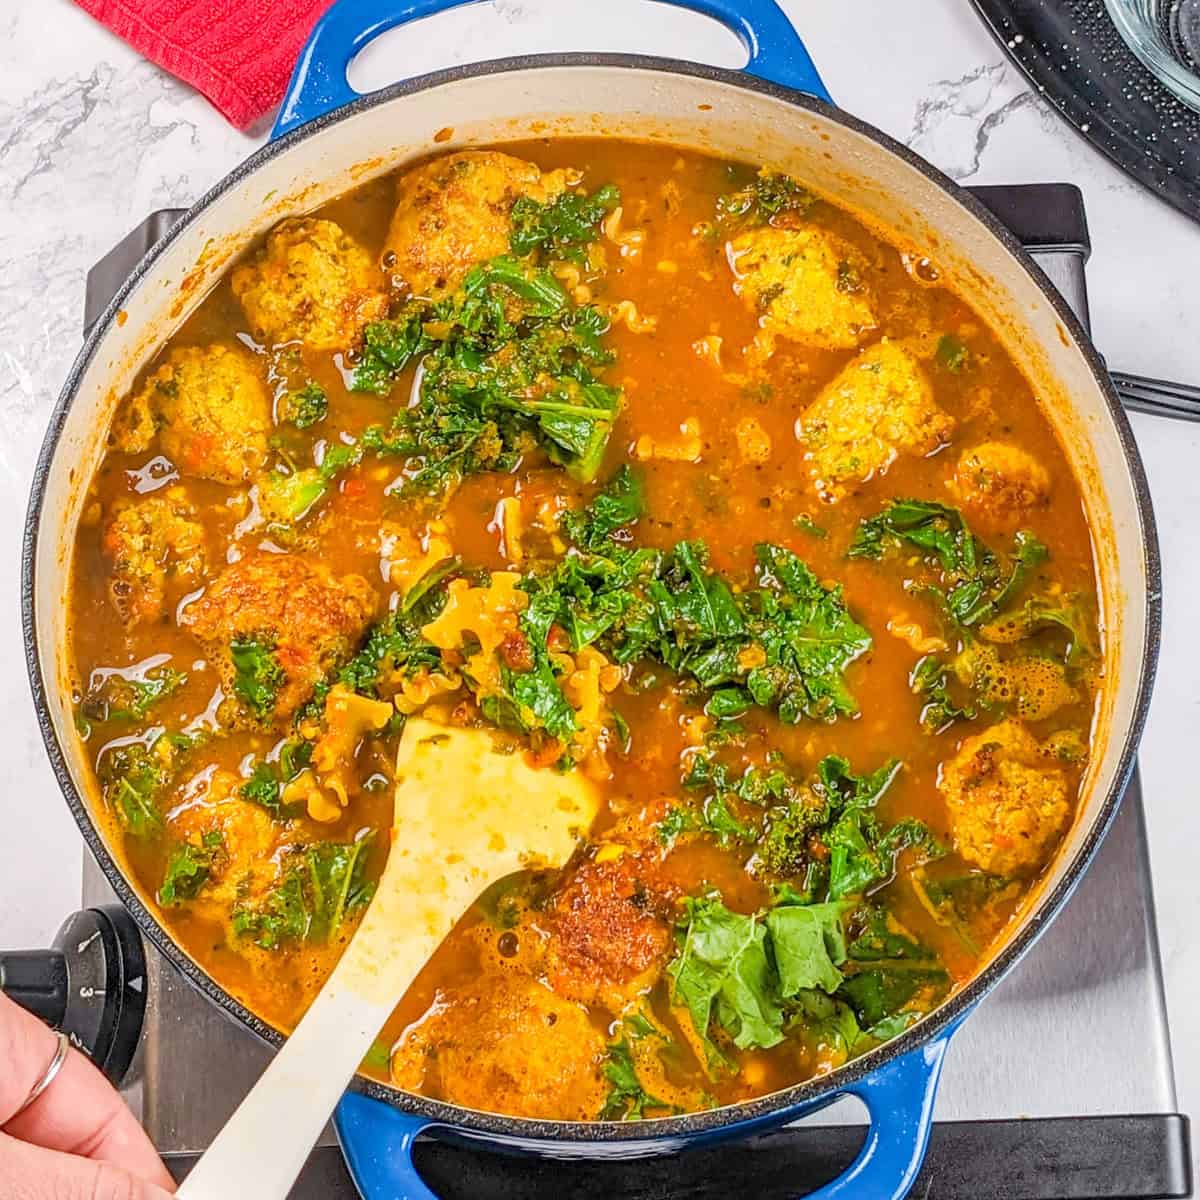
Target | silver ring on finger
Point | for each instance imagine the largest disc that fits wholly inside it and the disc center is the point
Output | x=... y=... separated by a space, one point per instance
x=48 y=1076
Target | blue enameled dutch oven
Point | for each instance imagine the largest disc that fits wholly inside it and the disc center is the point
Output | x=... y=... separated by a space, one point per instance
x=776 y=111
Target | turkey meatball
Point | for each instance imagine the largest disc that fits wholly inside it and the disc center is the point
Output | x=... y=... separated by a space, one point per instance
x=511 y=1046
x=239 y=839
x=1001 y=483
x=879 y=406
x=312 y=283
x=151 y=542
x=1008 y=805
x=455 y=212
x=273 y=625
x=805 y=284
x=208 y=406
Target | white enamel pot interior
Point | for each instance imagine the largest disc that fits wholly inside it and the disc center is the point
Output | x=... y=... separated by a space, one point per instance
x=731 y=116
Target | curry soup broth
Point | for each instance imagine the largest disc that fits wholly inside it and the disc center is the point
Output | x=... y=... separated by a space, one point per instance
x=765 y=894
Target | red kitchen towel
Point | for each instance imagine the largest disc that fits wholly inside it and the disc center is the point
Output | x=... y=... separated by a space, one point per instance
x=239 y=53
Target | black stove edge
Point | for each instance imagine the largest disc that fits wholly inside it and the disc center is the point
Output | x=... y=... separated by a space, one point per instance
x=1139 y=1157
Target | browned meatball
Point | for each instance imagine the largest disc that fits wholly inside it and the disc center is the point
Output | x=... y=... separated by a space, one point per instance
x=1001 y=482
x=1007 y=804
x=210 y=409
x=242 y=868
x=505 y=1043
x=455 y=212
x=879 y=406
x=804 y=284
x=151 y=542
x=609 y=924
x=311 y=282
x=273 y=625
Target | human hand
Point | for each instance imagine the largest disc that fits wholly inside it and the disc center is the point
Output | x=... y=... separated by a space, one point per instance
x=77 y=1141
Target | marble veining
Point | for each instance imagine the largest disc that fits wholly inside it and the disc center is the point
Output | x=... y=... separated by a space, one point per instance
x=92 y=138
x=953 y=123
x=83 y=157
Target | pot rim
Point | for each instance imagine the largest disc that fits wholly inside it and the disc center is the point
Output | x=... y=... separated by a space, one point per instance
x=776 y=1106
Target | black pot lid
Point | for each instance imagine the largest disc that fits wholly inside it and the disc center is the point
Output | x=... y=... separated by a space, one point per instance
x=1072 y=52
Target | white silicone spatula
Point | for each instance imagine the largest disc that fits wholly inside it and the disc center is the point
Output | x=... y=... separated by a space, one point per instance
x=465 y=816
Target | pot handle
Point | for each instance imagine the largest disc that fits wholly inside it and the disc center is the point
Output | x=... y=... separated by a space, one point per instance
x=899 y=1098
x=377 y=1139
x=319 y=84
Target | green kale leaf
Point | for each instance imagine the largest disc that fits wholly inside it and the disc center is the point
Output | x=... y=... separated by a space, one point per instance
x=1070 y=615
x=768 y=195
x=564 y=226
x=806 y=524
x=714 y=817
x=952 y=353
x=262 y=787
x=842 y=788
x=188 y=869
x=974 y=582
x=957 y=902
x=304 y=407
x=616 y=507
x=320 y=888
x=930 y=680
x=887 y=968
x=394 y=645
x=289 y=493
x=819 y=1018
x=508 y=364
x=118 y=697
x=809 y=639
x=282 y=917
x=783 y=645
x=809 y=946
x=257 y=674
x=797 y=969
x=863 y=855
x=388 y=347
x=881 y=992
x=422 y=599
x=285 y=497
x=717 y=819
x=627 y=1100
x=267 y=780
x=723 y=975
x=537 y=697
x=1026 y=554
x=935 y=528
x=337 y=886
x=824 y=834
x=790 y=844
x=676 y=821
x=134 y=777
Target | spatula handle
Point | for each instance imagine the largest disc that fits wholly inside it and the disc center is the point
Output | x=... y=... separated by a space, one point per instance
x=466 y=817
x=264 y=1145
x=262 y=1149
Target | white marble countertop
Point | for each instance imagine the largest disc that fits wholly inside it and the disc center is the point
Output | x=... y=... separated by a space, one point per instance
x=92 y=139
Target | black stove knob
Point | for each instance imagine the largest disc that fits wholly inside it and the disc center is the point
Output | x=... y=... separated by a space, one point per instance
x=91 y=984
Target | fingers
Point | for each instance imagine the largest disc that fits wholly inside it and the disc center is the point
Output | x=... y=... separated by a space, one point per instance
x=79 y=1113
x=33 y=1173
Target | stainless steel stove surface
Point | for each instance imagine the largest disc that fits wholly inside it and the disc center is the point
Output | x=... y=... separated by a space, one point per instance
x=1060 y=1085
